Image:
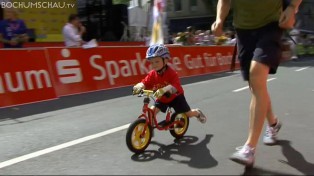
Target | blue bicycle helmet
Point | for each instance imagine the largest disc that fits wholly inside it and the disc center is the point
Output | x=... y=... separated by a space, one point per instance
x=157 y=50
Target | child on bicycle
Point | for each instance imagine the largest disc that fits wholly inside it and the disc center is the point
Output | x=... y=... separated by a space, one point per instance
x=162 y=78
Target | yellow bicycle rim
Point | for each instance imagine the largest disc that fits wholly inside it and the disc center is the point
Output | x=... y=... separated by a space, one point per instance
x=139 y=141
x=182 y=118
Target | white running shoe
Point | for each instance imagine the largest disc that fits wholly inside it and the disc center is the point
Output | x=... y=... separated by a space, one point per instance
x=244 y=155
x=270 y=137
x=201 y=117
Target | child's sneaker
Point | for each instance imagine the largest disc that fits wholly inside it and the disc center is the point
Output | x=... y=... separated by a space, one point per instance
x=270 y=137
x=244 y=155
x=201 y=117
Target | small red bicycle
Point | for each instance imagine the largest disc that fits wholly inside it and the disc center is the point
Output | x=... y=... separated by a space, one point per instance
x=139 y=133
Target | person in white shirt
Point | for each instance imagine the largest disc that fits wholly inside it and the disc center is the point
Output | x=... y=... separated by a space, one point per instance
x=73 y=31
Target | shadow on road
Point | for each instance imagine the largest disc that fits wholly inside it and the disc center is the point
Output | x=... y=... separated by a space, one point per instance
x=86 y=98
x=198 y=154
x=262 y=171
x=295 y=159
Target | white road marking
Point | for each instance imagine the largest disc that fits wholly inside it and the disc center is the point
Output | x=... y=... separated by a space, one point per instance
x=246 y=87
x=240 y=89
x=61 y=146
x=302 y=69
x=207 y=81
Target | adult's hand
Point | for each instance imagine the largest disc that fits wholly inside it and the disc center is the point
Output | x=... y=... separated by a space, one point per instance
x=287 y=18
x=217 y=28
x=82 y=29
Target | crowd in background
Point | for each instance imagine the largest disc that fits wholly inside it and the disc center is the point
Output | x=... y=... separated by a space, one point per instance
x=202 y=37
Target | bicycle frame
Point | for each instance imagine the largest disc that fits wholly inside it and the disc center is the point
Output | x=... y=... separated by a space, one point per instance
x=150 y=115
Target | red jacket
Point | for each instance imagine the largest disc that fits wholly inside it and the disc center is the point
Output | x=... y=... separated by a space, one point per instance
x=155 y=81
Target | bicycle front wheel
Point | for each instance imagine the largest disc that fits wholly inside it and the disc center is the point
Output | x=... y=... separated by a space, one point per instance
x=138 y=137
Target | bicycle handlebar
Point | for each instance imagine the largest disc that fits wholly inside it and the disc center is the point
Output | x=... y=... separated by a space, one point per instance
x=147 y=92
x=144 y=92
x=150 y=92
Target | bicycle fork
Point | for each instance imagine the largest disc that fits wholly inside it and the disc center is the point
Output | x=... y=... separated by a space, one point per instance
x=148 y=117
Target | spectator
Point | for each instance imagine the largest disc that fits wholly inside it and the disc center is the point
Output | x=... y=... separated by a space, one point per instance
x=171 y=39
x=73 y=31
x=190 y=35
x=12 y=30
x=231 y=38
x=200 y=38
x=209 y=38
x=180 y=38
x=258 y=25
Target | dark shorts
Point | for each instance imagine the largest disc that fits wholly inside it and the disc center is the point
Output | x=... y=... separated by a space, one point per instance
x=262 y=45
x=179 y=104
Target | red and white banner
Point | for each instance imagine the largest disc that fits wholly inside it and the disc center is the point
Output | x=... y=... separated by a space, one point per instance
x=204 y=60
x=78 y=70
x=82 y=70
x=35 y=75
x=24 y=77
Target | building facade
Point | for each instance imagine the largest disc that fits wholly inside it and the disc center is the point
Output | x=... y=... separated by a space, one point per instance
x=197 y=13
x=184 y=13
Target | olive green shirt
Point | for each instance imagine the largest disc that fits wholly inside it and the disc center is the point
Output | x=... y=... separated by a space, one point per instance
x=252 y=14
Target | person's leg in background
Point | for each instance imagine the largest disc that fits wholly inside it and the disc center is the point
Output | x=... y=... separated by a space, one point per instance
x=258 y=110
x=271 y=119
x=264 y=62
x=272 y=128
x=260 y=101
x=270 y=114
x=246 y=43
x=271 y=46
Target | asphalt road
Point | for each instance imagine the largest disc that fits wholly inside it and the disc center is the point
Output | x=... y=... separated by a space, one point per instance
x=85 y=134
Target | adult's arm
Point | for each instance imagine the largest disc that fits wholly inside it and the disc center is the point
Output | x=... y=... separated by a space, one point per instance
x=287 y=18
x=23 y=37
x=223 y=8
x=294 y=4
x=70 y=34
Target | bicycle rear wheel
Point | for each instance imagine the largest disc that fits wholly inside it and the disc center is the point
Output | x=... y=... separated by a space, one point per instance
x=136 y=140
x=178 y=130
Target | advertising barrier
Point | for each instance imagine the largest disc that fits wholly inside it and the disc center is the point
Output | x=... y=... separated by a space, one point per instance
x=24 y=77
x=35 y=75
x=77 y=70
